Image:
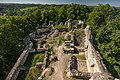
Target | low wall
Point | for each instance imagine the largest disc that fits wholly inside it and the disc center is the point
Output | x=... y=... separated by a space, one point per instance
x=94 y=60
x=21 y=60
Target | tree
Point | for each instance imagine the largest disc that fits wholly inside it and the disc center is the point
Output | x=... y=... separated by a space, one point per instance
x=105 y=24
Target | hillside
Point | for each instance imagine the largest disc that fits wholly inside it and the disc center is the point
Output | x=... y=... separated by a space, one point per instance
x=66 y=53
x=19 y=20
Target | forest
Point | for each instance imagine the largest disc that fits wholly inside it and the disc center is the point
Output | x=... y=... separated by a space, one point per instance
x=16 y=21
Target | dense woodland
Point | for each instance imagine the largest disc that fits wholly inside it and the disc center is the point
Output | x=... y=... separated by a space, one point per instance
x=16 y=21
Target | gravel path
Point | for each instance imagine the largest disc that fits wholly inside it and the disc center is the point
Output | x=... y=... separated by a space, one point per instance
x=61 y=64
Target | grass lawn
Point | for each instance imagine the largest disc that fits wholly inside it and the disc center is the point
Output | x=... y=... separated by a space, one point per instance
x=80 y=34
x=33 y=73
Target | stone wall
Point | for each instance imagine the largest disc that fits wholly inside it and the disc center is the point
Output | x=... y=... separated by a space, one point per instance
x=79 y=74
x=70 y=23
x=21 y=60
x=46 y=61
x=94 y=60
x=55 y=34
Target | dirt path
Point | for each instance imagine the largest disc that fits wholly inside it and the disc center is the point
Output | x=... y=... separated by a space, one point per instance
x=61 y=64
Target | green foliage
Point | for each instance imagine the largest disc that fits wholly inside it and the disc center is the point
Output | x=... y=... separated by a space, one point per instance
x=22 y=75
x=28 y=8
x=37 y=58
x=81 y=56
x=60 y=27
x=57 y=41
x=105 y=24
x=79 y=37
x=33 y=58
x=60 y=39
x=11 y=45
x=76 y=11
x=15 y=9
x=20 y=20
x=33 y=73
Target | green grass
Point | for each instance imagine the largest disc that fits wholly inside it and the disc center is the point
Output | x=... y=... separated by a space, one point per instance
x=75 y=25
x=77 y=79
x=59 y=27
x=33 y=58
x=81 y=57
x=56 y=41
x=60 y=39
x=33 y=73
x=3 y=17
x=80 y=37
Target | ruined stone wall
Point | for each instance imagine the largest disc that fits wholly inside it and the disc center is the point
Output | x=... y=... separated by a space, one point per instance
x=94 y=60
x=55 y=33
x=21 y=60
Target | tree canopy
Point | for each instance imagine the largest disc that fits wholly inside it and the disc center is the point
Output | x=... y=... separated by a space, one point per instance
x=105 y=24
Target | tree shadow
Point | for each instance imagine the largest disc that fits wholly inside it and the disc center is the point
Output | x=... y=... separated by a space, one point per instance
x=110 y=68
